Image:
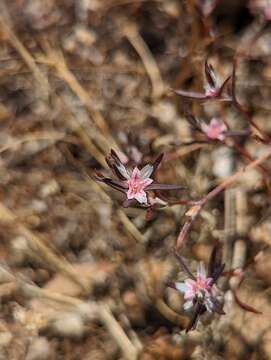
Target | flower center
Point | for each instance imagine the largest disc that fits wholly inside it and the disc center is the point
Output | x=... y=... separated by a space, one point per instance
x=136 y=185
x=201 y=286
x=211 y=92
x=214 y=131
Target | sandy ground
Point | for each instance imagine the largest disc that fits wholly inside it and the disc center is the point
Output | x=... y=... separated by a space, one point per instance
x=82 y=277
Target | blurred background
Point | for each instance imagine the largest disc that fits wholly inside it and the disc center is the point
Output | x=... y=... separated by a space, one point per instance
x=80 y=276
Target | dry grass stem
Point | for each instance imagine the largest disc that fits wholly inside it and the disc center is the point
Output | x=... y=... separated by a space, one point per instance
x=6 y=25
x=132 y=34
x=38 y=246
x=56 y=59
x=129 y=350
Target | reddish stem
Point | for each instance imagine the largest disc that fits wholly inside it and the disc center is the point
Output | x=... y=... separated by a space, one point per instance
x=243 y=152
x=194 y=212
x=236 y=104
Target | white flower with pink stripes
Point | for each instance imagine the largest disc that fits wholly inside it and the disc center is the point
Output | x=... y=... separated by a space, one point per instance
x=200 y=287
x=200 y=290
x=136 y=183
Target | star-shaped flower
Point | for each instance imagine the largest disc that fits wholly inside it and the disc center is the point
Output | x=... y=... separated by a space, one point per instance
x=200 y=287
x=215 y=130
x=136 y=183
x=213 y=88
x=200 y=291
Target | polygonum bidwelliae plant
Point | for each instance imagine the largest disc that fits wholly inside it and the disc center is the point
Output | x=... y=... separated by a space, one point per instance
x=200 y=291
x=135 y=183
x=213 y=88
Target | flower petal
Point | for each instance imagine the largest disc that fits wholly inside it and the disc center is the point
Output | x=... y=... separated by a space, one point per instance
x=201 y=272
x=182 y=287
x=135 y=174
x=146 y=171
x=222 y=87
x=209 y=281
x=117 y=166
x=123 y=171
x=188 y=304
x=130 y=194
x=221 y=137
x=157 y=162
x=210 y=74
x=208 y=302
x=146 y=182
x=204 y=127
x=189 y=295
x=214 y=123
x=141 y=197
x=190 y=283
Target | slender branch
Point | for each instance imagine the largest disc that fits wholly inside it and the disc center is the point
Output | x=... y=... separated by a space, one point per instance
x=242 y=151
x=195 y=210
x=236 y=104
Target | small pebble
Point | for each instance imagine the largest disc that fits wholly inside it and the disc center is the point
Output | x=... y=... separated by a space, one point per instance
x=68 y=326
x=38 y=206
x=39 y=349
x=19 y=249
x=5 y=339
x=49 y=189
x=223 y=162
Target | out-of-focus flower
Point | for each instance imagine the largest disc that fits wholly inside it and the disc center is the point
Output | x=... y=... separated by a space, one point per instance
x=207 y=6
x=262 y=7
x=216 y=129
x=213 y=88
x=136 y=183
x=267 y=12
x=200 y=291
x=201 y=287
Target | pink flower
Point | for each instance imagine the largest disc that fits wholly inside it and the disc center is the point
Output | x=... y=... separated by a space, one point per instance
x=201 y=288
x=210 y=92
x=267 y=12
x=214 y=130
x=213 y=88
x=137 y=182
x=263 y=7
x=200 y=291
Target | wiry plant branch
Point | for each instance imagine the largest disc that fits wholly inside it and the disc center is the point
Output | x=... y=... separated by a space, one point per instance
x=195 y=210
